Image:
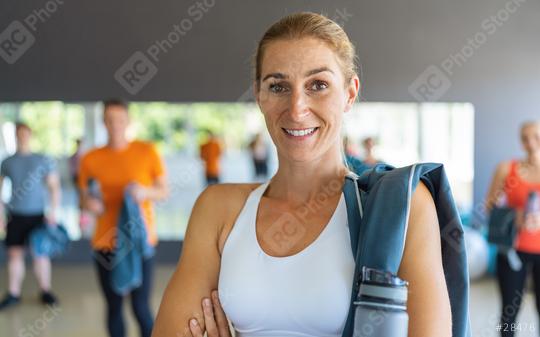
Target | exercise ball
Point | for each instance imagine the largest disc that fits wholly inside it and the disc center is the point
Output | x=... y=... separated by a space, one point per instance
x=477 y=253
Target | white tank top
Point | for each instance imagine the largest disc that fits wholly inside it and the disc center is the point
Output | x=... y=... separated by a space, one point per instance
x=306 y=294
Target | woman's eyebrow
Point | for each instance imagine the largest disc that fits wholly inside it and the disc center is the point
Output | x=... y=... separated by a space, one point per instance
x=275 y=75
x=307 y=74
x=318 y=70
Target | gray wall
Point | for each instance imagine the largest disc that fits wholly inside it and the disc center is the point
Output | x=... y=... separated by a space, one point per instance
x=78 y=49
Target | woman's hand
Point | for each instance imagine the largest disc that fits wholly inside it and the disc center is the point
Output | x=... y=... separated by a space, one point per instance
x=531 y=221
x=214 y=319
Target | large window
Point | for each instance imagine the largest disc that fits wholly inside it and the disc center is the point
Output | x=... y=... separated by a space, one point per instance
x=403 y=133
x=55 y=125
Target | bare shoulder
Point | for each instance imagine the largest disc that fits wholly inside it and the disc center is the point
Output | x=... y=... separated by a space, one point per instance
x=226 y=202
x=229 y=190
x=423 y=213
x=423 y=221
x=422 y=195
x=503 y=168
x=224 y=198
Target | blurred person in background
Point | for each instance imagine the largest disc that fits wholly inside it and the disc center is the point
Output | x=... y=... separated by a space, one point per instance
x=75 y=161
x=512 y=184
x=369 y=158
x=350 y=147
x=259 y=155
x=210 y=153
x=33 y=180
x=85 y=219
x=352 y=158
x=113 y=168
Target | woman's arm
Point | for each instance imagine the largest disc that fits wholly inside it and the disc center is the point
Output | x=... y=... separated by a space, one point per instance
x=496 y=189
x=198 y=269
x=497 y=185
x=428 y=305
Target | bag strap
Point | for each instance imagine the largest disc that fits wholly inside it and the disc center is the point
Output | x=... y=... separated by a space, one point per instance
x=354 y=217
x=355 y=210
x=367 y=233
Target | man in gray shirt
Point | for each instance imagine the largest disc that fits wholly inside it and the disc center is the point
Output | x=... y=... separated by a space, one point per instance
x=32 y=175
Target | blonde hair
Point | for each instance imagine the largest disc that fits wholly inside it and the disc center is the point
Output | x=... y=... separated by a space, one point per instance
x=308 y=24
x=529 y=123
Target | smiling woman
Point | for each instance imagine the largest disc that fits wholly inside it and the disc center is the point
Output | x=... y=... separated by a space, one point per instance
x=304 y=91
x=284 y=267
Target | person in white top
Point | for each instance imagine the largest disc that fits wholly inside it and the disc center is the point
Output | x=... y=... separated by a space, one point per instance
x=279 y=253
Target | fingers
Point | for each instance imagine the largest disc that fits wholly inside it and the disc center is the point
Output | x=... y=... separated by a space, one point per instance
x=531 y=222
x=195 y=328
x=215 y=320
x=221 y=318
x=209 y=319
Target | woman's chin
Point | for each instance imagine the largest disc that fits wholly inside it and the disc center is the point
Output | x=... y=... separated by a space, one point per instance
x=299 y=157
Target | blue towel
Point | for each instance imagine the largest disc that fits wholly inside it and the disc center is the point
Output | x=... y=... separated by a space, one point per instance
x=131 y=248
x=377 y=225
x=49 y=241
x=356 y=165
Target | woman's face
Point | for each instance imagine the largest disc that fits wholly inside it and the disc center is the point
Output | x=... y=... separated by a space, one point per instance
x=530 y=138
x=303 y=96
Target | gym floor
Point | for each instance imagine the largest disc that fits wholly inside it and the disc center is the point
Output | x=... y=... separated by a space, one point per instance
x=81 y=310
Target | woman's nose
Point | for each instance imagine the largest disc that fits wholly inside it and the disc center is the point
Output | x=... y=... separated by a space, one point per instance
x=298 y=107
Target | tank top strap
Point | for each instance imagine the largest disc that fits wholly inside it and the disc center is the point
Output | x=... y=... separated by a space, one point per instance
x=514 y=166
x=513 y=171
x=249 y=210
x=256 y=195
x=253 y=207
x=259 y=191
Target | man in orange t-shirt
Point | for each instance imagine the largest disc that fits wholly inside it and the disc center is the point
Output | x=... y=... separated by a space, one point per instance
x=211 y=154
x=115 y=166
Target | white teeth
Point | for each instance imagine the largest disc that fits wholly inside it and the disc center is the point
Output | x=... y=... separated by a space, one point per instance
x=300 y=133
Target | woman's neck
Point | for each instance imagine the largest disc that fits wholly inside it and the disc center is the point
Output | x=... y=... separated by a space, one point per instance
x=301 y=182
x=533 y=159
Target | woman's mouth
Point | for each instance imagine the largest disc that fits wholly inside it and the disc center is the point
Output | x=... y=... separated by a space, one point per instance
x=300 y=133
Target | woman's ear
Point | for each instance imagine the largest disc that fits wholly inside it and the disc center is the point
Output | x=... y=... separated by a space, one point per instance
x=352 y=92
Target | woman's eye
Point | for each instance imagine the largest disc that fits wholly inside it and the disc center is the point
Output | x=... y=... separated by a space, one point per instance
x=276 y=88
x=318 y=86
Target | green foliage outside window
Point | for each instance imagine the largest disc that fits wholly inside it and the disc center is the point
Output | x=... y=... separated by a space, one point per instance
x=171 y=125
x=55 y=125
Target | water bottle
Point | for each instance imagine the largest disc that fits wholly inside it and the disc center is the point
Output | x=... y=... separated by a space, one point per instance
x=94 y=188
x=531 y=211
x=381 y=305
x=533 y=203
